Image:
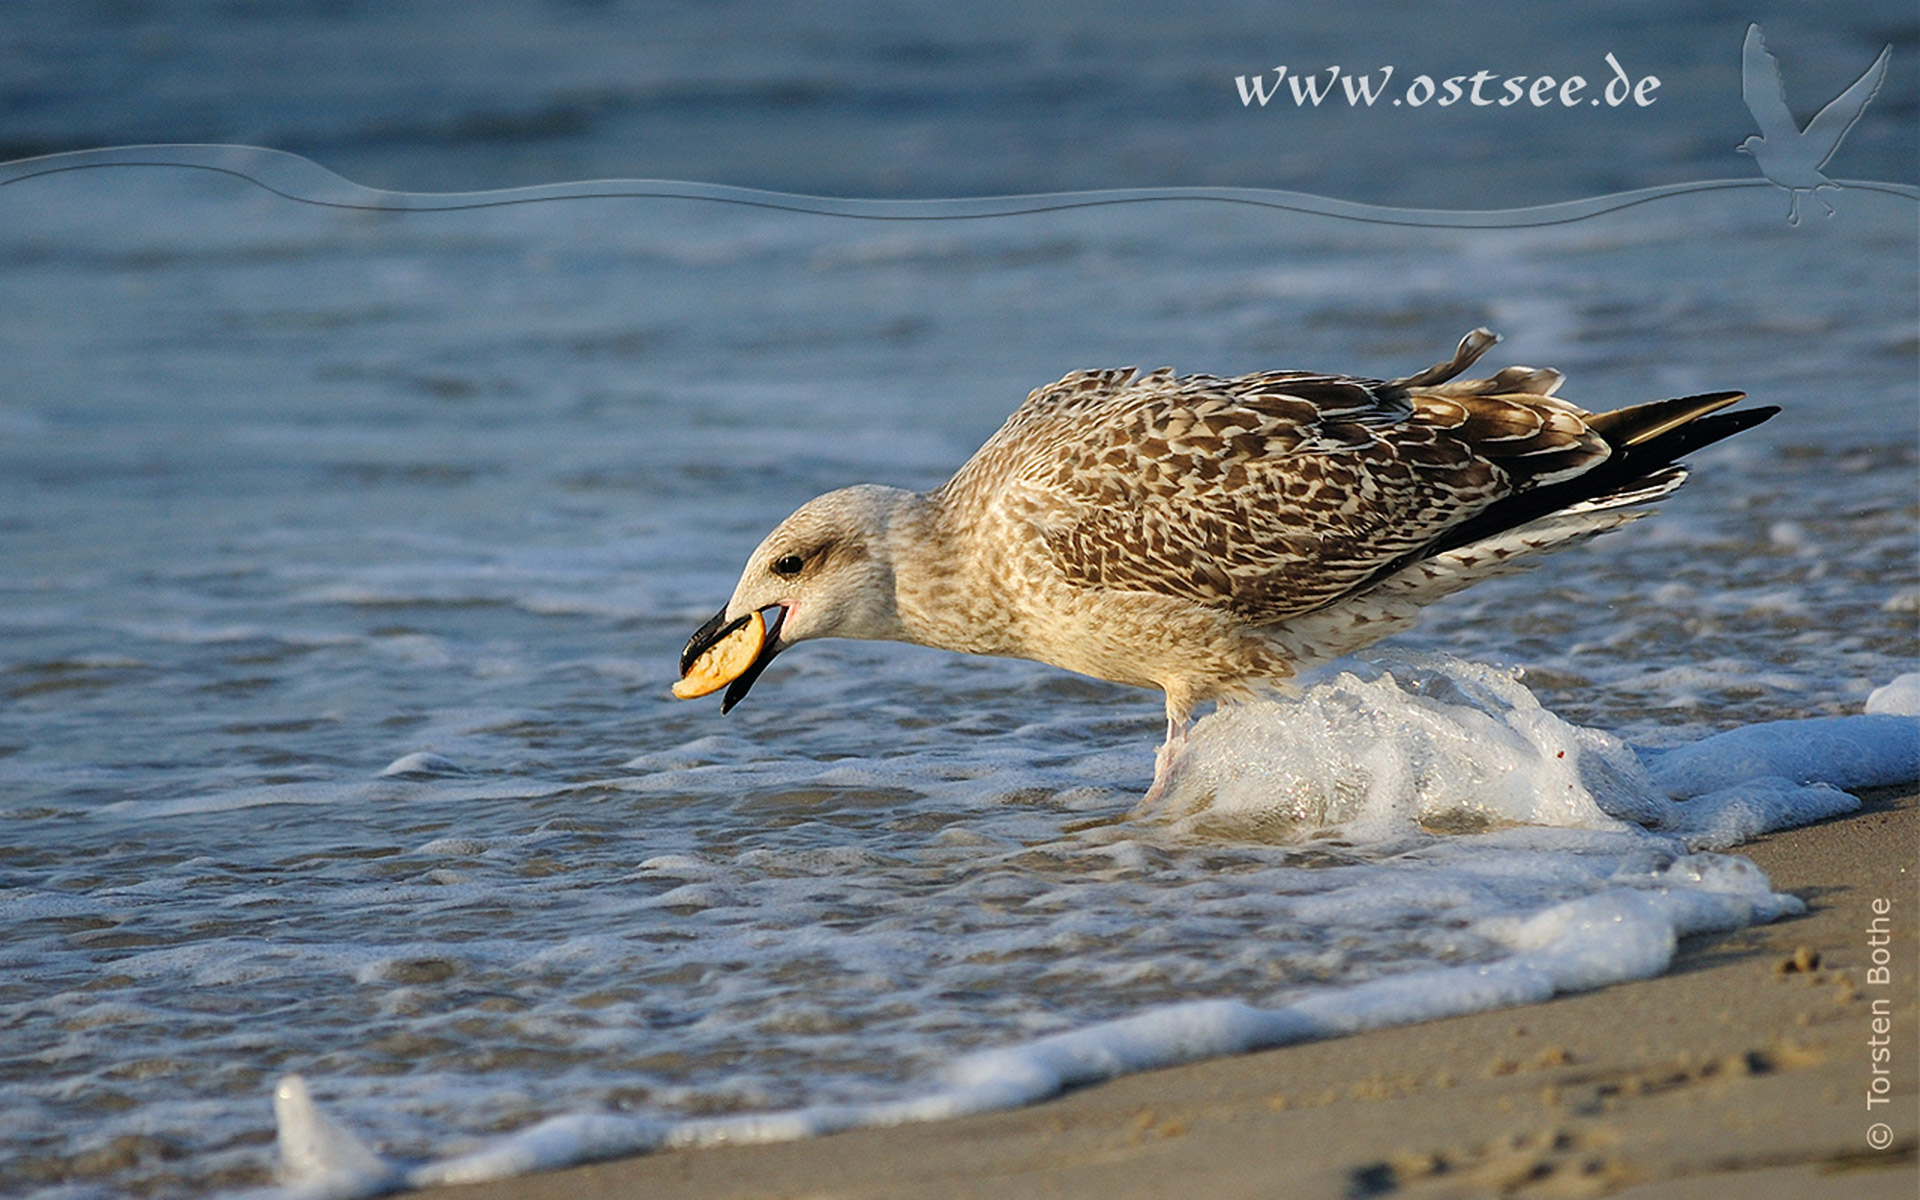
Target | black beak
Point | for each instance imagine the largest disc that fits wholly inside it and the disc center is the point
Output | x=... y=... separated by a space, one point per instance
x=717 y=629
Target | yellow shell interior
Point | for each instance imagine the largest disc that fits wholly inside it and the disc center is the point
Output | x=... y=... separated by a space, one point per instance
x=724 y=660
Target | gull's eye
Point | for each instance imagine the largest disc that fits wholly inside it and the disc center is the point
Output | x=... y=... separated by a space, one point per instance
x=788 y=565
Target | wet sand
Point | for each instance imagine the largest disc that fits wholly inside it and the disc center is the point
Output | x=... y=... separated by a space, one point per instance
x=1744 y=1071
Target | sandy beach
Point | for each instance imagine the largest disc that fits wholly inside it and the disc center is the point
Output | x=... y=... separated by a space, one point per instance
x=1744 y=1070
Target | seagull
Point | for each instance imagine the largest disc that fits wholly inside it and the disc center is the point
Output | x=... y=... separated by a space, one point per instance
x=1208 y=537
x=1788 y=156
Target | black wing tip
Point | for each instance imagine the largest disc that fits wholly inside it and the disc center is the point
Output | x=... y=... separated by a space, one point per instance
x=1707 y=430
x=1637 y=473
x=1636 y=460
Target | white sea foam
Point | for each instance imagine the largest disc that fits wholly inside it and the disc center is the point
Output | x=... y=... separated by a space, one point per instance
x=1585 y=871
x=1846 y=752
x=1428 y=741
x=339 y=794
x=318 y=1158
x=422 y=762
x=1900 y=698
x=1576 y=946
x=1380 y=750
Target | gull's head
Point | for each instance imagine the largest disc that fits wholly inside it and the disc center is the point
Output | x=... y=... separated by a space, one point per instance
x=825 y=571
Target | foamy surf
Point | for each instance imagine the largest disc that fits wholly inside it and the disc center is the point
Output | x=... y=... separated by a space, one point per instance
x=1457 y=801
x=1424 y=743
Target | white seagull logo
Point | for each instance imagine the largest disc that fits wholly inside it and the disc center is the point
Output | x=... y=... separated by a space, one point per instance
x=1787 y=155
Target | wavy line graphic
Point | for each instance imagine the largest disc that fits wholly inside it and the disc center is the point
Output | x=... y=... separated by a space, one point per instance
x=304 y=181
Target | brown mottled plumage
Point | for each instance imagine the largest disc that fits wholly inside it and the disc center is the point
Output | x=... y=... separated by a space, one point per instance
x=1209 y=536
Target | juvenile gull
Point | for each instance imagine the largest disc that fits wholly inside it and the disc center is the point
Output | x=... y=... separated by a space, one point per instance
x=1208 y=537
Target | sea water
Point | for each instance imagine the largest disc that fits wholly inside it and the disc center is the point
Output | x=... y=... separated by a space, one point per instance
x=348 y=556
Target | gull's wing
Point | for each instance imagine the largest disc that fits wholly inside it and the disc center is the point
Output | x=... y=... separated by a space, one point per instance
x=1765 y=95
x=1272 y=494
x=1826 y=130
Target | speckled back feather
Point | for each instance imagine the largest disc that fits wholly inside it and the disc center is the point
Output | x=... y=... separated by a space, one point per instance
x=1272 y=494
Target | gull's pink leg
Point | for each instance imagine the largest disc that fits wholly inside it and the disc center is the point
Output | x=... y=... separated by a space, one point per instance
x=1168 y=755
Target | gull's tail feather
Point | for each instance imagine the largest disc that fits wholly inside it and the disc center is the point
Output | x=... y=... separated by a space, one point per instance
x=1646 y=441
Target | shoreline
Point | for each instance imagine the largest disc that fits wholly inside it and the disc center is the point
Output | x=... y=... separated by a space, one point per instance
x=1746 y=1065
